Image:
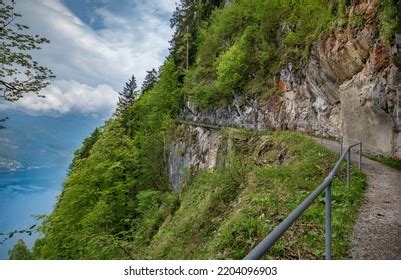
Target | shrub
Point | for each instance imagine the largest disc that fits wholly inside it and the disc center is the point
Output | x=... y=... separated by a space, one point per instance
x=389 y=19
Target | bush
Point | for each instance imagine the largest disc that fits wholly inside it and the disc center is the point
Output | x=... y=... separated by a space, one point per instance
x=232 y=65
x=389 y=19
x=251 y=40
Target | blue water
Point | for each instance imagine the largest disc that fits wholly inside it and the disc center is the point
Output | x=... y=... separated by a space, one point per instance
x=24 y=194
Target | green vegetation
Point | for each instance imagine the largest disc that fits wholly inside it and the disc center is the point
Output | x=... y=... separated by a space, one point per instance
x=225 y=212
x=20 y=251
x=389 y=18
x=222 y=213
x=386 y=160
x=128 y=95
x=116 y=202
x=98 y=206
x=186 y=19
x=249 y=41
x=19 y=73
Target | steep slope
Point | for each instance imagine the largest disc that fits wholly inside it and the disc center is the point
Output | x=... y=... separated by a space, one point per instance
x=350 y=83
x=254 y=64
x=225 y=212
x=219 y=214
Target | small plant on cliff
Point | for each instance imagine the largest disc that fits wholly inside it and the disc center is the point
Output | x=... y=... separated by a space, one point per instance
x=390 y=21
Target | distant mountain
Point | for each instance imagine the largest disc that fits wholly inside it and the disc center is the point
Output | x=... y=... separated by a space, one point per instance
x=35 y=141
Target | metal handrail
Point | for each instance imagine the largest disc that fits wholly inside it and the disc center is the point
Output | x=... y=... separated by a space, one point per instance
x=341 y=139
x=260 y=249
x=360 y=151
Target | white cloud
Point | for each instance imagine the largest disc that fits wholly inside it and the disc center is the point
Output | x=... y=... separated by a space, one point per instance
x=129 y=42
x=69 y=97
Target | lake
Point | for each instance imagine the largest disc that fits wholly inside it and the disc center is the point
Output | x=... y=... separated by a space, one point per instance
x=43 y=147
x=26 y=193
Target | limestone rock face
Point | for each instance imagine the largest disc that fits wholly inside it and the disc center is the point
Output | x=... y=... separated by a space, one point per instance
x=196 y=148
x=351 y=86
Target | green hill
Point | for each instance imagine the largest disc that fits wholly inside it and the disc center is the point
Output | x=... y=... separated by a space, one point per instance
x=117 y=201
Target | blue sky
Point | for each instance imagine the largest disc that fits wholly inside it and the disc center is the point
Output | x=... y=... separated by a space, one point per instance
x=86 y=9
x=96 y=45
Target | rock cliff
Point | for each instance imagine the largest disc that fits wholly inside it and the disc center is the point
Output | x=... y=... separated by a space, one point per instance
x=350 y=85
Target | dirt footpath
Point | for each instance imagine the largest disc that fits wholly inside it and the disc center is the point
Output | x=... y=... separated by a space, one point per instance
x=377 y=232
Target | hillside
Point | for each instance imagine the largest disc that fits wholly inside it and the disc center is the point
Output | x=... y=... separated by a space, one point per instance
x=258 y=66
x=218 y=214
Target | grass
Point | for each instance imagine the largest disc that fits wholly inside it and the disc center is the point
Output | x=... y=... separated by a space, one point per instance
x=388 y=161
x=225 y=212
x=245 y=45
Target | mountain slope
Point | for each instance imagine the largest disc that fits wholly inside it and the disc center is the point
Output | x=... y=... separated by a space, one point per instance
x=255 y=64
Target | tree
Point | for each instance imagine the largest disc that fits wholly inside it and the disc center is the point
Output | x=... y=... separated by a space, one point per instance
x=186 y=19
x=150 y=80
x=86 y=148
x=19 y=72
x=127 y=96
x=20 y=251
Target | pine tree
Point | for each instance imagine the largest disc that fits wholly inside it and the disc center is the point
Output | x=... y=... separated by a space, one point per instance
x=150 y=80
x=20 y=252
x=186 y=20
x=127 y=96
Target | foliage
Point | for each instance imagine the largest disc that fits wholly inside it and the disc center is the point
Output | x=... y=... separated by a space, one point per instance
x=127 y=96
x=6 y=236
x=250 y=41
x=225 y=212
x=386 y=160
x=342 y=6
x=187 y=17
x=150 y=80
x=102 y=198
x=221 y=213
x=390 y=21
x=20 y=251
x=116 y=202
x=19 y=73
x=231 y=66
x=87 y=145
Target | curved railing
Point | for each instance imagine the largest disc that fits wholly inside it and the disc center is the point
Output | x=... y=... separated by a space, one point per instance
x=260 y=249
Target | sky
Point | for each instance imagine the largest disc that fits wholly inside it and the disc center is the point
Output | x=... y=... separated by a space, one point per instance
x=95 y=47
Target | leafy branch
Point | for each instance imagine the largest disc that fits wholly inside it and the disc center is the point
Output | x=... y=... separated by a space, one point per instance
x=19 y=72
x=9 y=235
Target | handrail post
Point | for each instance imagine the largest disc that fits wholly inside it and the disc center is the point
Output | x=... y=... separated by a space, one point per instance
x=342 y=145
x=328 y=222
x=259 y=250
x=348 y=165
x=360 y=156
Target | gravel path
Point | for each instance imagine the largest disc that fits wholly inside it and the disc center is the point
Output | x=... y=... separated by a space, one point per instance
x=377 y=232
